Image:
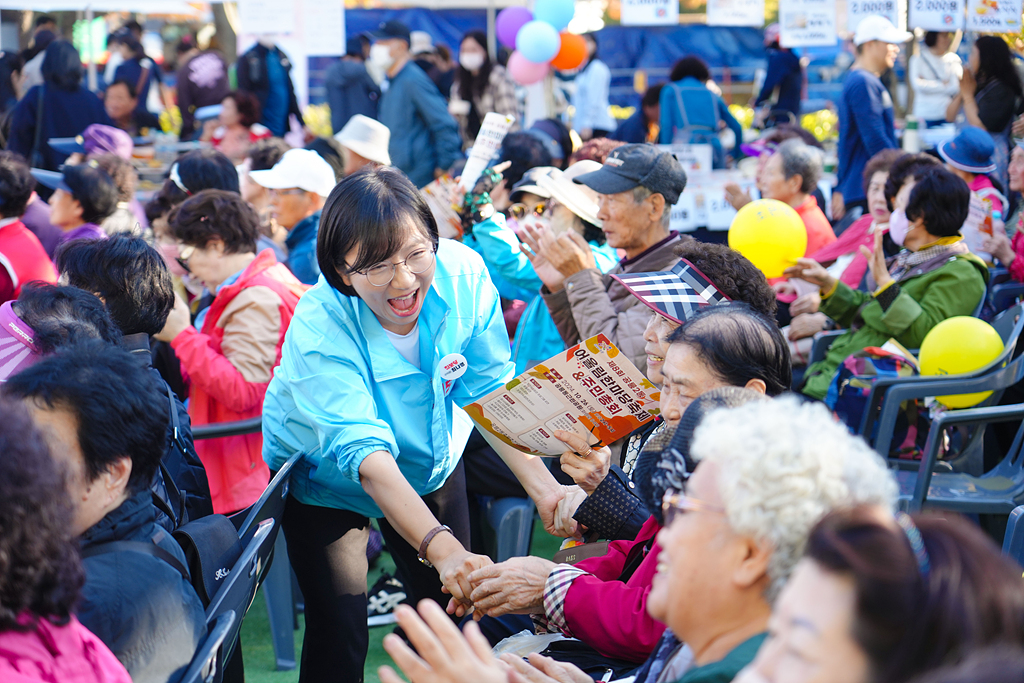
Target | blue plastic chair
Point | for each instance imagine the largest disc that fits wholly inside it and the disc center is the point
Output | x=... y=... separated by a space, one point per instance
x=512 y=521
x=1013 y=541
x=998 y=491
x=208 y=662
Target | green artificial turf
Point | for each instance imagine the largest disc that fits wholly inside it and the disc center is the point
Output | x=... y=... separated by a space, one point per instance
x=258 y=652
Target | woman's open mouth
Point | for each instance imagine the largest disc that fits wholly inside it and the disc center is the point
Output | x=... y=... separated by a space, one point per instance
x=406 y=305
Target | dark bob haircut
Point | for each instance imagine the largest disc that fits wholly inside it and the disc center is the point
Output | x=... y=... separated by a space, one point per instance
x=906 y=166
x=94 y=189
x=942 y=200
x=690 y=65
x=61 y=316
x=16 y=184
x=247 y=105
x=198 y=170
x=732 y=273
x=40 y=574
x=217 y=214
x=369 y=211
x=129 y=274
x=739 y=344
x=119 y=406
x=62 y=66
x=128 y=85
x=908 y=621
x=525 y=152
x=266 y=153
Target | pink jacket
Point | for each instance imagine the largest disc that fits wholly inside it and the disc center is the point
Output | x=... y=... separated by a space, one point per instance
x=57 y=654
x=609 y=615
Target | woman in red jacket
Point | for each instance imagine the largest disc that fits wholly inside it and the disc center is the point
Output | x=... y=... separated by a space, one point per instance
x=228 y=356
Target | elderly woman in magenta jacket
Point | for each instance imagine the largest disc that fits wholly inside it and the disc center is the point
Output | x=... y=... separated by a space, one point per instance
x=229 y=356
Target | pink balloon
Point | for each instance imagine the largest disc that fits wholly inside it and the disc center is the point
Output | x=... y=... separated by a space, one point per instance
x=523 y=71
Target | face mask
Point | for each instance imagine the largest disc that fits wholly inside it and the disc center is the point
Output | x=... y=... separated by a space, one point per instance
x=381 y=57
x=899 y=226
x=471 y=61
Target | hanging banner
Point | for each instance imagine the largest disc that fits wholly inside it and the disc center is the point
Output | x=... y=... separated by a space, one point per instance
x=323 y=24
x=936 y=15
x=649 y=13
x=736 y=13
x=263 y=17
x=858 y=9
x=807 y=23
x=993 y=16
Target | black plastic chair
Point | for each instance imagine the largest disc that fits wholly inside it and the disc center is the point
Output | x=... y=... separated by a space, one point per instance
x=208 y=662
x=220 y=429
x=239 y=589
x=1013 y=541
x=887 y=393
x=998 y=491
x=270 y=504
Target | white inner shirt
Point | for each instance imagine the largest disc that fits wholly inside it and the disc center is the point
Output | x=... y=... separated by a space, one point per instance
x=407 y=344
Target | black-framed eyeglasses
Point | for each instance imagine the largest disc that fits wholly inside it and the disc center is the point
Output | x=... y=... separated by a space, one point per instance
x=184 y=254
x=417 y=262
x=675 y=502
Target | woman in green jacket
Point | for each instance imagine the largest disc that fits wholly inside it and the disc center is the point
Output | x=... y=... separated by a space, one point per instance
x=932 y=278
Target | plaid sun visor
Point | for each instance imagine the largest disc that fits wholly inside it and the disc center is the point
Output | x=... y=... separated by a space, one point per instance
x=676 y=294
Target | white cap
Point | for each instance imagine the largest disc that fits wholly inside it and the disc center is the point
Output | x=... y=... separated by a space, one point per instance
x=877 y=27
x=420 y=42
x=302 y=168
x=579 y=199
x=366 y=137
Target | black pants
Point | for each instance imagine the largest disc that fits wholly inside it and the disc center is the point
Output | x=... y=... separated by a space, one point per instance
x=327 y=548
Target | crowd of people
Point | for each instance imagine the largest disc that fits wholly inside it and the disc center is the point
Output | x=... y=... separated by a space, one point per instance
x=744 y=534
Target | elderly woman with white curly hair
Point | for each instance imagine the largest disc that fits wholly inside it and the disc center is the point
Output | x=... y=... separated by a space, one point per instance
x=766 y=472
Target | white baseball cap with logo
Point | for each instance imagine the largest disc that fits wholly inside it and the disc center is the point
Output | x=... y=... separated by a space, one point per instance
x=877 y=27
x=301 y=168
x=366 y=137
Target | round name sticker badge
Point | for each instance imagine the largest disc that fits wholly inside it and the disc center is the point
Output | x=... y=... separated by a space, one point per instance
x=453 y=366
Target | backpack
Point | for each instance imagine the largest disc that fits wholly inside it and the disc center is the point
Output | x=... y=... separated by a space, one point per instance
x=211 y=546
x=180 y=492
x=692 y=134
x=848 y=395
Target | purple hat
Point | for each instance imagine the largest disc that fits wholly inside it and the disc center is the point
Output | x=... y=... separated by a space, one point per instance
x=17 y=343
x=96 y=139
x=676 y=294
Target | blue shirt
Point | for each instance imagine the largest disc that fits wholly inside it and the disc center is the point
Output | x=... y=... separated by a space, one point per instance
x=424 y=136
x=275 y=110
x=691 y=112
x=786 y=74
x=301 y=243
x=866 y=127
x=343 y=391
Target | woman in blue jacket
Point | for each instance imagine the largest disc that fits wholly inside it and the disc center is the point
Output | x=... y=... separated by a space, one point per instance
x=693 y=114
x=401 y=329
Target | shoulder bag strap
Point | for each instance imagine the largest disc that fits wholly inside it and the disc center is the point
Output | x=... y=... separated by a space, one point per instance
x=143 y=78
x=36 y=157
x=172 y=487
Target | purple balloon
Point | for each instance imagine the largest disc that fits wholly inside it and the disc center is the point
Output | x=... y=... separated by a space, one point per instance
x=508 y=23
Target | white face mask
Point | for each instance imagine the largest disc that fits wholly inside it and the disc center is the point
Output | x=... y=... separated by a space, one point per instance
x=471 y=61
x=380 y=56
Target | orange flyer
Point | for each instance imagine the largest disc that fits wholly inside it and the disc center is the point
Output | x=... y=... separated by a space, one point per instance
x=591 y=389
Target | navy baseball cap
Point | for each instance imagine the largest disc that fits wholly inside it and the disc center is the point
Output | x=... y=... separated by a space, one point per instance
x=392 y=29
x=638 y=165
x=51 y=179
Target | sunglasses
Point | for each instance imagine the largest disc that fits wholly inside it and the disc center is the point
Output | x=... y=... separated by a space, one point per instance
x=184 y=254
x=520 y=211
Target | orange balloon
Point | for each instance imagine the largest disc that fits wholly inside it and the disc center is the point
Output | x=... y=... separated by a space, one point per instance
x=572 y=52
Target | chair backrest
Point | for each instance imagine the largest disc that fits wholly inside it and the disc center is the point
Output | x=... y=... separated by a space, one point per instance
x=1008 y=322
x=1013 y=541
x=238 y=590
x=219 y=429
x=270 y=504
x=208 y=662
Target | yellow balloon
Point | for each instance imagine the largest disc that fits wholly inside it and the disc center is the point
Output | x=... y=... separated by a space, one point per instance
x=770 y=233
x=958 y=345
